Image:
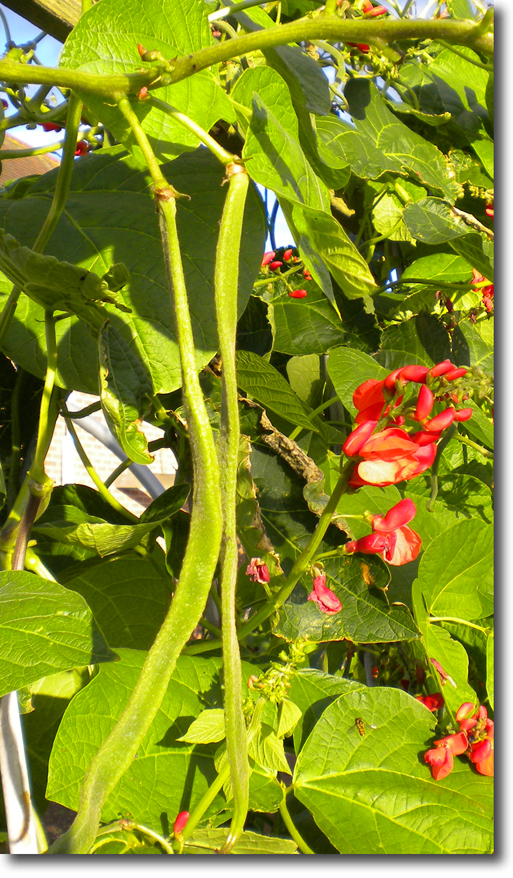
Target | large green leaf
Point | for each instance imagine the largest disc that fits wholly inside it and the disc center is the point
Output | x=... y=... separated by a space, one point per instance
x=45 y=628
x=313 y=691
x=166 y=777
x=305 y=326
x=276 y=160
x=451 y=84
x=348 y=369
x=422 y=339
x=373 y=795
x=377 y=142
x=78 y=528
x=110 y=217
x=366 y=615
x=105 y=43
x=456 y=572
x=460 y=497
x=266 y=385
x=128 y=597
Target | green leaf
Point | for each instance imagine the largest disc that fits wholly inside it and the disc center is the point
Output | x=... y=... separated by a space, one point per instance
x=445 y=267
x=374 y=795
x=108 y=214
x=422 y=340
x=461 y=9
x=312 y=691
x=207 y=728
x=348 y=369
x=125 y=392
x=460 y=497
x=46 y=628
x=484 y=151
x=266 y=385
x=106 y=43
x=305 y=326
x=129 y=598
x=289 y=716
x=80 y=529
x=209 y=841
x=489 y=668
x=456 y=571
x=453 y=658
x=377 y=142
x=304 y=374
x=432 y=221
x=166 y=773
x=167 y=504
x=365 y=617
x=478 y=252
x=450 y=84
x=268 y=751
x=471 y=349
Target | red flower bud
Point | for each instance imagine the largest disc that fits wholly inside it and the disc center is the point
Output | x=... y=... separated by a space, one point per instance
x=287 y=254
x=432 y=702
x=390 y=380
x=257 y=571
x=467 y=724
x=441 y=368
x=368 y=393
x=307 y=275
x=268 y=257
x=371 y=413
x=414 y=373
x=275 y=265
x=455 y=373
x=51 y=126
x=480 y=751
x=424 y=437
x=142 y=51
x=298 y=294
x=357 y=438
x=4 y=104
x=441 y=421
x=424 y=403
x=142 y=94
x=181 y=822
x=464 y=711
x=82 y=148
x=463 y=414
x=489 y=211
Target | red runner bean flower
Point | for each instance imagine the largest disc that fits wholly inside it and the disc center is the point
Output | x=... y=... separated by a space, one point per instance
x=326 y=600
x=257 y=571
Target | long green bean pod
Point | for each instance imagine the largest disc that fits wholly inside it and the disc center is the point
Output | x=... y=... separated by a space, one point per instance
x=226 y=283
x=119 y=748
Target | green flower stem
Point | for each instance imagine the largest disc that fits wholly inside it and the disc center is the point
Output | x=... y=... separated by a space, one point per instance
x=30 y=151
x=459 y=622
x=64 y=176
x=102 y=488
x=159 y=181
x=224 y=157
x=317 y=411
x=210 y=627
x=289 y=823
x=115 y=474
x=221 y=778
x=226 y=280
x=466 y=441
x=119 y=748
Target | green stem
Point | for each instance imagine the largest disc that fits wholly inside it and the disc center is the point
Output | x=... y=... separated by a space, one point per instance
x=215 y=148
x=458 y=622
x=465 y=57
x=93 y=475
x=317 y=411
x=303 y=562
x=115 y=474
x=226 y=280
x=379 y=33
x=159 y=181
x=289 y=823
x=30 y=151
x=46 y=423
x=466 y=441
x=117 y=752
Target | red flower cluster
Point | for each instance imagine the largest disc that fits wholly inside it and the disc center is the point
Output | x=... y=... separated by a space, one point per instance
x=257 y=571
x=475 y=739
x=391 y=539
x=486 y=291
x=392 y=454
x=326 y=600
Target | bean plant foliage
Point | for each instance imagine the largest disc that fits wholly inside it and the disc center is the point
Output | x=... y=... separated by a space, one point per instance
x=290 y=651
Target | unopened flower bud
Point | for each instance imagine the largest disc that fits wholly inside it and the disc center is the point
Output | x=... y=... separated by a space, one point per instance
x=275 y=265
x=463 y=414
x=441 y=368
x=414 y=373
x=424 y=403
x=181 y=822
x=298 y=294
x=441 y=421
x=455 y=373
x=464 y=711
x=287 y=254
x=357 y=438
x=268 y=257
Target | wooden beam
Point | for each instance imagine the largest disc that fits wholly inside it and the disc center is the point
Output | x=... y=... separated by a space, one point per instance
x=55 y=17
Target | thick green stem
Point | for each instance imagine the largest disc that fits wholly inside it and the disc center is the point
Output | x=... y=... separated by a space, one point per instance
x=226 y=287
x=378 y=33
x=120 y=747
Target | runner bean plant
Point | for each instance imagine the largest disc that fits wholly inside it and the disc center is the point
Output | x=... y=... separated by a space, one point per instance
x=290 y=650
